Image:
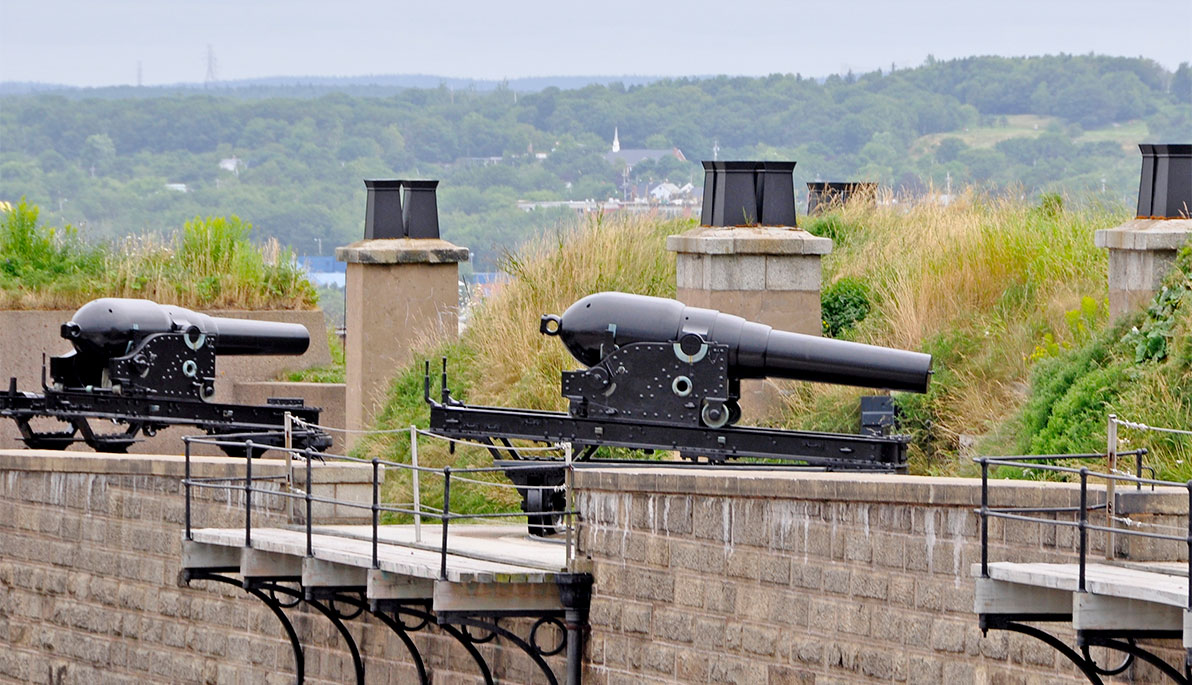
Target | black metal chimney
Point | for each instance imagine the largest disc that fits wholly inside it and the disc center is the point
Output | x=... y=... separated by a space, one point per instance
x=1165 y=188
x=421 y=211
x=382 y=213
x=748 y=194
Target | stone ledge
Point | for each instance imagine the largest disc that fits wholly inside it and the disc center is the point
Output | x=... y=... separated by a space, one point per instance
x=1145 y=234
x=174 y=466
x=822 y=486
x=402 y=251
x=749 y=240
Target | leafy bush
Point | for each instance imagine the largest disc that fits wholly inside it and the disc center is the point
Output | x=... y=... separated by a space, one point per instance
x=210 y=263
x=33 y=256
x=844 y=304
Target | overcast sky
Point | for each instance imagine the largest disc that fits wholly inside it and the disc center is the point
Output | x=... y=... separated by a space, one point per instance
x=100 y=42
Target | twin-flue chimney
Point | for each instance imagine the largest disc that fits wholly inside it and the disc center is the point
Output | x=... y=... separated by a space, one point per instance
x=748 y=194
x=1165 y=189
x=398 y=208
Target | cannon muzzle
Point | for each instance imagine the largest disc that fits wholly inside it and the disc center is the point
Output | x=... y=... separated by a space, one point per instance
x=110 y=326
x=597 y=324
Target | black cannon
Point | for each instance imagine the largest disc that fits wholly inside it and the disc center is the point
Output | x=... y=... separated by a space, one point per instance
x=660 y=361
x=148 y=366
x=664 y=376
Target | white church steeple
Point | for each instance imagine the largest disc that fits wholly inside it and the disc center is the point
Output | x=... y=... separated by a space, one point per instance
x=616 y=140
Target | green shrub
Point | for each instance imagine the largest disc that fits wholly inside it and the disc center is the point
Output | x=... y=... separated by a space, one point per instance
x=33 y=255
x=844 y=304
x=210 y=263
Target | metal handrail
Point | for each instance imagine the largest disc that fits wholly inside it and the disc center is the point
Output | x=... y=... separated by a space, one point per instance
x=245 y=484
x=1082 y=523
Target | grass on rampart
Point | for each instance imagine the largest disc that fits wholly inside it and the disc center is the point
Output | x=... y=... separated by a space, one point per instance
x=210 y=263
x=1140 y=369
x=987 y=286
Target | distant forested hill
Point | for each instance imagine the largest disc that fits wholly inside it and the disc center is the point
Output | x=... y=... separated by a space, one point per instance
x=294 y=164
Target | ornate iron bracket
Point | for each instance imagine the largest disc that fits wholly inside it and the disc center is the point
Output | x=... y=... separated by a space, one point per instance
x=1010 y=623
x=337 y=620
x=270 y=600
x=532 y=649
x=1091 y=639
x=426 y=619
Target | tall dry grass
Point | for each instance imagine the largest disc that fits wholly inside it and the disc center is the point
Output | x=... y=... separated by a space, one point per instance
x=520 y=365
x=979 y=283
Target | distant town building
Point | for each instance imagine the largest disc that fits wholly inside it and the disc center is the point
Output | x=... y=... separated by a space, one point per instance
x=631 y=156
x=232 y=165
x=177 y=187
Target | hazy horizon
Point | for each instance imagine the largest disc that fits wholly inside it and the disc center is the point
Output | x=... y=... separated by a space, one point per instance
x=76 y=43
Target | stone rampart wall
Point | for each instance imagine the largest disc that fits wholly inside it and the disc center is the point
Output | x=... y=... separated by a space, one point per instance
x=760 y=577
x=89 y=562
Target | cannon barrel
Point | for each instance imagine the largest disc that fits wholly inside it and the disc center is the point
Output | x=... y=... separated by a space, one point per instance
x=105 y=327
x=755 y=350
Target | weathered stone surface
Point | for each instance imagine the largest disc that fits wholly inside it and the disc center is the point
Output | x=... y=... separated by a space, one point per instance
x=90 y=551
x=786 y=577
x=393 y=306
x=755 y=240
x=1141 y=252
x=402 y=251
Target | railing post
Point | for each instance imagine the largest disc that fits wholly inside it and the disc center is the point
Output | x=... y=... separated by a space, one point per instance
x=310 y=549
x=248 y=493
x=376 y=510
x=984 y=517
x=288 y=443
x=1189 y=543
x=186 y=485
x=414 y=476
x=567 y=485
x=446 y=517
x=1110 y=490
x=1140 y=453
x=1084 y=515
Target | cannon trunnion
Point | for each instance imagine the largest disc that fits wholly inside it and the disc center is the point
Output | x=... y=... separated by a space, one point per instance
x=147 y=366
x=663 y=376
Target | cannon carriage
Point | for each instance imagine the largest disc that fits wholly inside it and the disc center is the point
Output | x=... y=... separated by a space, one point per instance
x=662 y=376
x=145 y=367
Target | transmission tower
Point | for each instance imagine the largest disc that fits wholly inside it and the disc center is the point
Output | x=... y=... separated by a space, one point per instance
x=210 y=78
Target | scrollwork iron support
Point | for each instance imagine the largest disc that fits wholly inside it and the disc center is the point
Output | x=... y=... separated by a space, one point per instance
x=531 y=651
x=1132 y=650
x=334 y=617
x=1088 y=668
x=269 y=600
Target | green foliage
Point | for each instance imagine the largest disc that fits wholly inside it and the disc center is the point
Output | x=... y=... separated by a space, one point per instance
x=1082 y=324
x=331 y=373
x=102 y=159
x=1151 y=341
x=33 y=255
x=1141 y=370
x=211 y=264
x=825 y=226
x=1051 y=205
x=844 y=304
